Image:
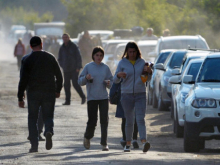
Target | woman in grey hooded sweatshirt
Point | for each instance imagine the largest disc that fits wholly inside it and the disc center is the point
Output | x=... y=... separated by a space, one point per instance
x=97 y=77
x=133 y=92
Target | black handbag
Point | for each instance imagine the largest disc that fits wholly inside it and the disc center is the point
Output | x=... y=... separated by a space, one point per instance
x=115 y=98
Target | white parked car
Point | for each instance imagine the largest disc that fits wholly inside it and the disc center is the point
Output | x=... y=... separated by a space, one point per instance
x=174 y=88
x=147 y=46
x=181 y=91
x=180 y=42
x=202 y=108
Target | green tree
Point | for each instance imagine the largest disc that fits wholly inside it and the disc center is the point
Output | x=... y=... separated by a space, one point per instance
x=10 y=16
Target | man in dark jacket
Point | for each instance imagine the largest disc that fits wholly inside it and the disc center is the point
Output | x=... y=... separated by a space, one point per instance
x=71 y=62
x=41 y=76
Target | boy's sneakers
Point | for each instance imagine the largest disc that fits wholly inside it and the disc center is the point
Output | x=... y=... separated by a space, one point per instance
x=135 y=144
x=49 y=143
x=123 y=143
x=86 y=143
x=105 y=148
x=127 y=148
x=146 y=146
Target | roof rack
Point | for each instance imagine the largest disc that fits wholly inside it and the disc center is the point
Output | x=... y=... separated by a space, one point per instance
x=211 y=50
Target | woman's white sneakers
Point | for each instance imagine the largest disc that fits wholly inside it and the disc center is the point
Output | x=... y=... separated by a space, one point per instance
x=127 y=148
x=105 y=148
x=146 y=146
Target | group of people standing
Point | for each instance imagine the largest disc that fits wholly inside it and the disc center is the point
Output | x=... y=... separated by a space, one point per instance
x=41 y=77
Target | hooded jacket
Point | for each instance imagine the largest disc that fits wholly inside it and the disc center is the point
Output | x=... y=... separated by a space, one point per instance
x=132 y=83
x=97 y=89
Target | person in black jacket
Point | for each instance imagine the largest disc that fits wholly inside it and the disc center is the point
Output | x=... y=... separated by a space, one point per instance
x=41 y=77
x=40 y=122
x=71 y=62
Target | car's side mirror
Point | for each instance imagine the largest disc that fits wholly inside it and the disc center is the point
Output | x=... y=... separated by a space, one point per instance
x=159 y=66
x=175 y=80
x=176 y=72
x=188 y=79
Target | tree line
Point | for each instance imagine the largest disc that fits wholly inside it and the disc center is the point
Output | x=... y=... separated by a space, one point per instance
x=181 y=17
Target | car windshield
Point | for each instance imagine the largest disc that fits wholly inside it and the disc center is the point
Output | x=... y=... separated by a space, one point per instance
x=194 y=69
x=146 y=49
x=176 y=60
x=209 y=71
x=162 y=57
x=182 y=44
x=110 y=48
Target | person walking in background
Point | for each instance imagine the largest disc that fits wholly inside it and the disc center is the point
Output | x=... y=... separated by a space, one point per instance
x=97 y=77
x=71 y=62
x=149 y=35
x=19 y=52
x=133 y=92
x=166 y=33
x=97 y=40
x=86 y=45
x=120 y=114
x=41 y=76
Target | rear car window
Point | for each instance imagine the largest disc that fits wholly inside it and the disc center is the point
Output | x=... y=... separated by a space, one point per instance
x=194 y=69
x=162 y=58
x=176 y=60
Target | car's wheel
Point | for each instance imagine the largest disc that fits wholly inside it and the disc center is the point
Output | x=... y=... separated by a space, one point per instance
x=201 y=144
x=190 y=145
x=178 y=129
x=149 y=99
x=161 y=105
x=172 y=110
x=154 y=101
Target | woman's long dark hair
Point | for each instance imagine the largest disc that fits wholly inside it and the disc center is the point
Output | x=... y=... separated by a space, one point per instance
x=131 y=45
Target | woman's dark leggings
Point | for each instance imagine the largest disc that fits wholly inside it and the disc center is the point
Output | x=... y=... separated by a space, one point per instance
x=135 y=133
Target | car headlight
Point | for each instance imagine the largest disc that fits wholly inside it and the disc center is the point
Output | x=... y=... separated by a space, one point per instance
x=204 y=103
x=183 y=97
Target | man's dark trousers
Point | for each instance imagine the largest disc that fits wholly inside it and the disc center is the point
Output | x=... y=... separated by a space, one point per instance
x=68 y=76
x=40 y=122
x=45 y=100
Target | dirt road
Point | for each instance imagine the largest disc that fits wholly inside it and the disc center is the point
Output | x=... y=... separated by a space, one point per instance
x=70 y=123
